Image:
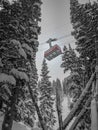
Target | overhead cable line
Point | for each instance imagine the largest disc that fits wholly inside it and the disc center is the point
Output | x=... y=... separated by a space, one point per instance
x=61 y=44
x=56 y=39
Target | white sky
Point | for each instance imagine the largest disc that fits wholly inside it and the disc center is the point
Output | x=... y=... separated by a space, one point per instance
x=55 y=23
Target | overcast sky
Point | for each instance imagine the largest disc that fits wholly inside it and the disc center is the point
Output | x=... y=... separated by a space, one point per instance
x=55 y=23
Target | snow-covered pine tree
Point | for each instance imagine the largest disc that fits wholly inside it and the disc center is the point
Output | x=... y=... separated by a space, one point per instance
x=33 y=10
x=13 y=58
x=69 y=59
x=74 y=83
x=84 y=20
x=46 y=98
x=19 y=21
x=30 y=29
x=65 y=59
x=83 y=32
x=80 y=25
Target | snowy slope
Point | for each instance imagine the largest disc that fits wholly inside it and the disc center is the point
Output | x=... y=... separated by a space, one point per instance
x=16 y=126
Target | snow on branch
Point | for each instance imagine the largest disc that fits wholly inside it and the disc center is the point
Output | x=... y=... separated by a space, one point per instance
x=16 y=42
x=21 y=51
x=28 y=49
x=6 y=88
x=1 y=64
x=32 y=40
x=19 y=74
x=5 y=78
x=26 y=46
x=37 y=4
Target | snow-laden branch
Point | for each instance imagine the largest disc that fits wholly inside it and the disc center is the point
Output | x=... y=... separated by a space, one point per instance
x=19 y=74
x=5 y=78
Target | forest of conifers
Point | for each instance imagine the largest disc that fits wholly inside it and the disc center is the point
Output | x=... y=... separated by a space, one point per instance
x=25 y=98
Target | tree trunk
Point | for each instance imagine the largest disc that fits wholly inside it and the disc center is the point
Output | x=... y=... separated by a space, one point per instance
x=8 y=118
x=58 y=106
x=81 y=114
x=94 y=120
x=69 y=100
x=76 y=105
x=43 y=125
x=96 y=49
x=94 y=112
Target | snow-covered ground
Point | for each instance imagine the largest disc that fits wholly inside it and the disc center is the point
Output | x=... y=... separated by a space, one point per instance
x=16 y=126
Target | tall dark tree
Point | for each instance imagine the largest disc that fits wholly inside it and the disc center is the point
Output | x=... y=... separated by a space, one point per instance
x=74 y=84
x=32 y=16
x=71 y=62
x=46 y=98
x=84 y=20
x=33 y=10
x=13 y=58
x=19 y=33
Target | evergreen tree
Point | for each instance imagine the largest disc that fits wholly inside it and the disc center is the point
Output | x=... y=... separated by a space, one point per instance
x=32 y=17
x=83 y=25
x=30 y=22
x=69 y=59
x=46 y=98
x=84 y=21
x=19 y=32
x=60 y=88
x=13 y=57
x=65 y=59
x=72 y=63
x=31 y=39
x=73 y=85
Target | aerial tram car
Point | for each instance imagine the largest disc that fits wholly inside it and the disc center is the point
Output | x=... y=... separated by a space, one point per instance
x=53 y=51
